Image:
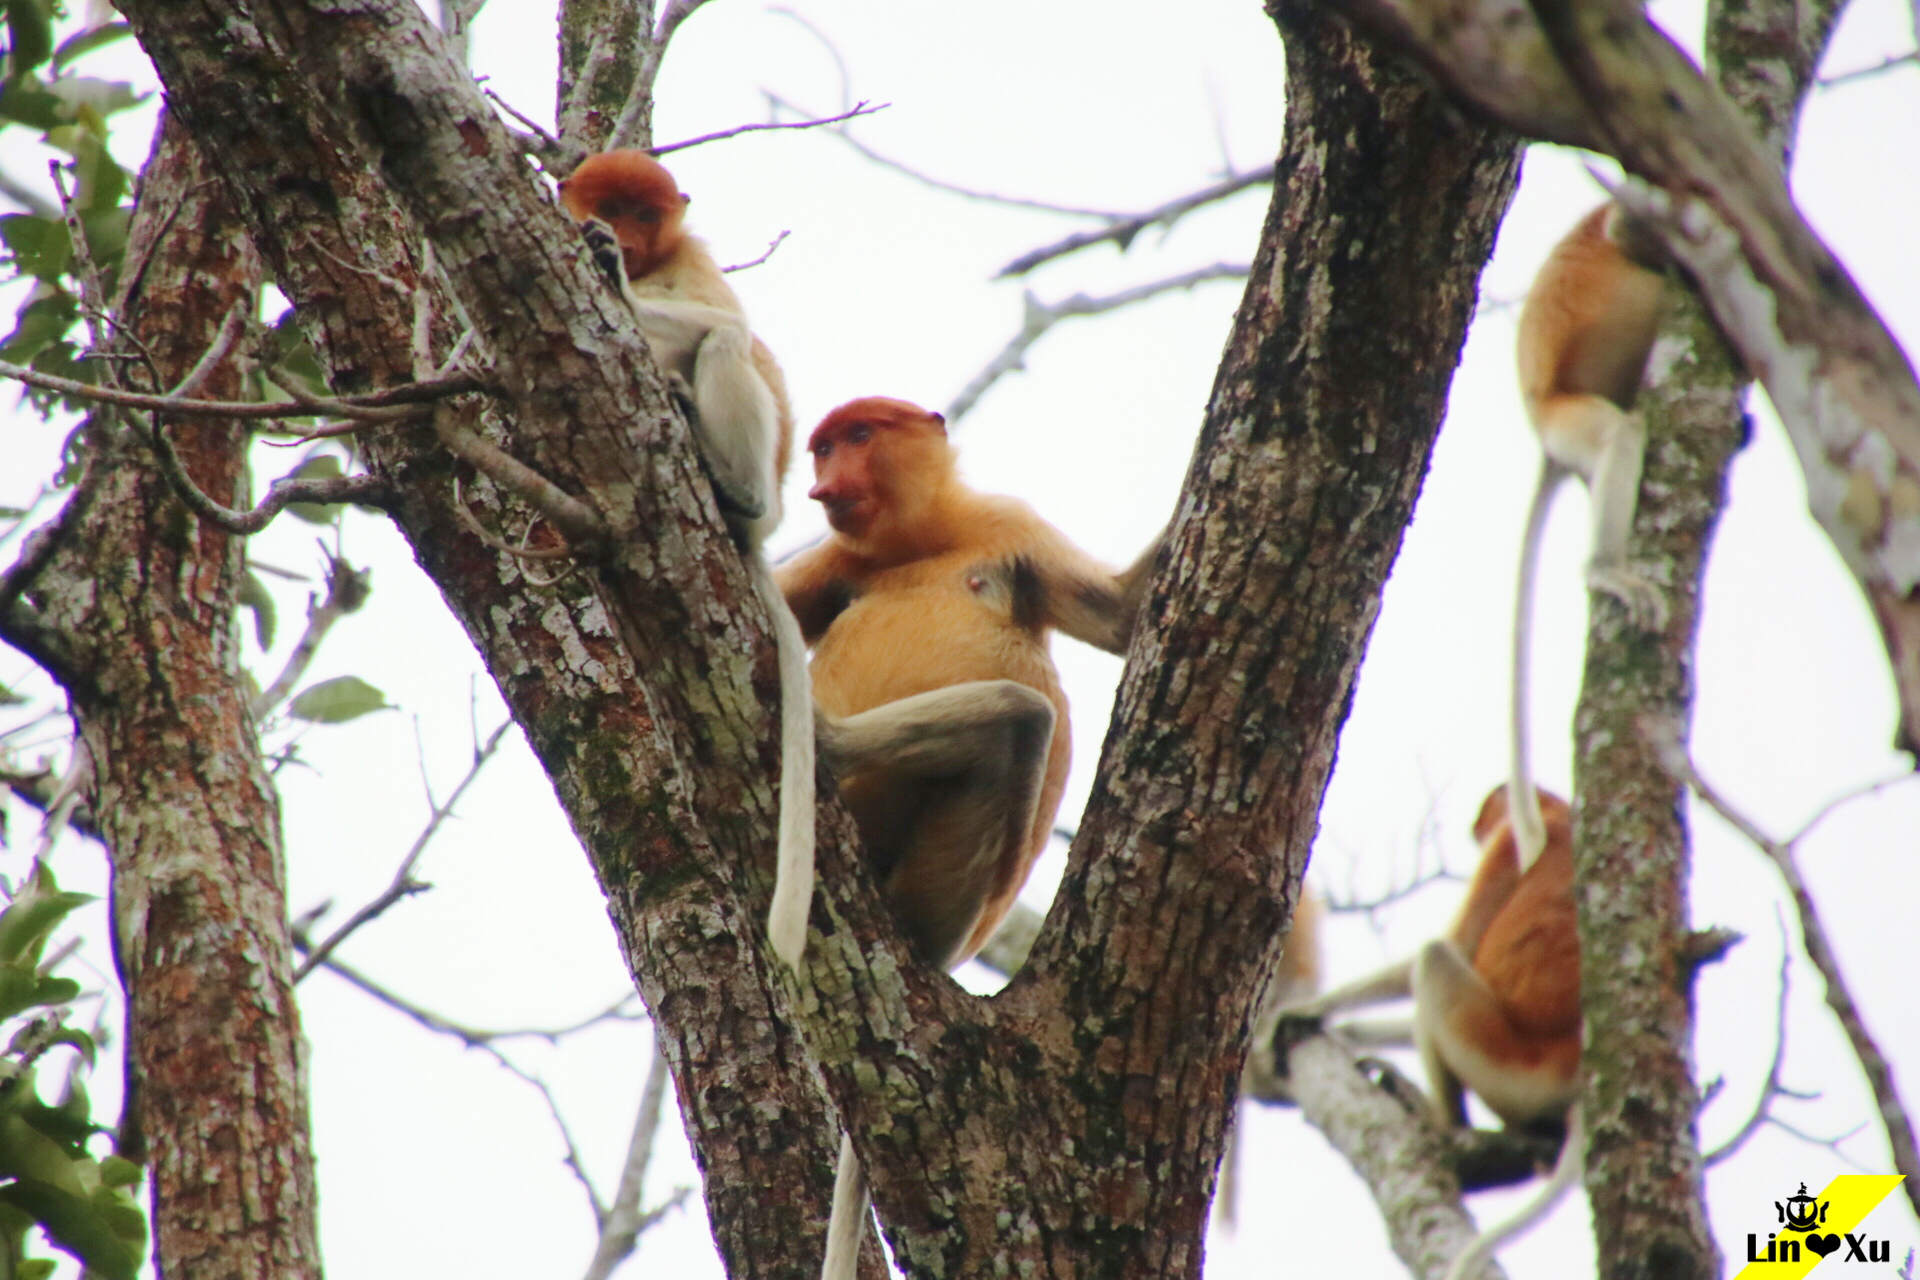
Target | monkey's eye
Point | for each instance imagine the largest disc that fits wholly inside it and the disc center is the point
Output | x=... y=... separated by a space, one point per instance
x=859 y=433
x=822 y=449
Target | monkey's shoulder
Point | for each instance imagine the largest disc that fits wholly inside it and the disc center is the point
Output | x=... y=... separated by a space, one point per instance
x=692 y=274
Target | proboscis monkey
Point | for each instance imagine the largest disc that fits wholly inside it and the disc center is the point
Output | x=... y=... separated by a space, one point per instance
x=737 y=400
x=1496 y=1001
x=1585 y=334
x=941 y=713
x=1497 y=997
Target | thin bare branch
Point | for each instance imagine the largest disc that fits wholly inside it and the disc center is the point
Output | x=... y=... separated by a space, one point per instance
x=346 y=592
x=1124 y=229
x=624 y=1221
x=85 y=271
x=373 y=405
x=778 y=103
x=1813 y=935
x=230 y=329
x=742 y=266
x=859 y=109
x=576 y=521
x=1041 y=316
x=282 y=493
x=403 y=884
x=1771 y=1087
x=1862 y=73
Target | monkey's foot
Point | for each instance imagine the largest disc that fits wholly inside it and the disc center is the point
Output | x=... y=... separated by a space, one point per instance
x=1646 y=604
x=606 y=252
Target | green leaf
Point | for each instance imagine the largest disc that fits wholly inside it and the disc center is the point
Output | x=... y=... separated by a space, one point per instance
x=42 y=322
x=61 y=1126
x=87 y=41
x=29 y=35
x=26 y=1153
x=78 y=1039
x=17 y=985
x=77 y=1225
x=52 y=990
x=116 y=1171
x=335 y=701
x=255 y=596
x=35 y=1269
x=40 y=247
x=34 y=913
x=317 y=466
x=24 y=101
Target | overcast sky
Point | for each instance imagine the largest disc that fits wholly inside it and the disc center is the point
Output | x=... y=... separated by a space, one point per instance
x=434 y=1161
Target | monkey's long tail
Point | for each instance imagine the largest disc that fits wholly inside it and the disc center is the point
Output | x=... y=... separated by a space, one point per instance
x=849 y=1221
x=1567 y=1171
x=1523 y=802
x=793 y=865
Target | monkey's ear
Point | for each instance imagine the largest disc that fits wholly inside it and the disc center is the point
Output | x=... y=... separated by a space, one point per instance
x=685 y=199
x=939 y=420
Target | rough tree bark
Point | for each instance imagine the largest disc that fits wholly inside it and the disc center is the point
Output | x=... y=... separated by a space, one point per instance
x=348 y=137
x=145 y=599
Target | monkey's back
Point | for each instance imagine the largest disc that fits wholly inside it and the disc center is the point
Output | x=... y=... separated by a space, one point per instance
x=1588 y=321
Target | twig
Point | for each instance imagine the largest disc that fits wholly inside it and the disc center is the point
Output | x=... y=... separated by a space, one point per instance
x=1771 y=1088
x=372 y=405
x=859 y=109
x=403 y=884
x=544 y=143
x=1861 y=73
x=323 y=490
x=779 y=103
x=621 y=1227
x=78 y=777
x=1368 y=906
x=1123 y=229
x=1813 y=935
x=346 y=592
x=230 y=329
x=742 y=266
x=576 y=521
x=84 y=270
x=1041 y=316
x=483 y=1042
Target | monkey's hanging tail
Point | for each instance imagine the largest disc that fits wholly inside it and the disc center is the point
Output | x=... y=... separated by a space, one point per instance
x=793 y=865
x=1523 y=802
x=1567 y=1171
x=849 y=1220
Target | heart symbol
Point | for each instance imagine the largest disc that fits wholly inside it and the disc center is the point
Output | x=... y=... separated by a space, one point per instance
x=1823 y=1245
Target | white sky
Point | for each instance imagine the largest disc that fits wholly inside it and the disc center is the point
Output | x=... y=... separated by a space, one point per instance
x=434 y=1161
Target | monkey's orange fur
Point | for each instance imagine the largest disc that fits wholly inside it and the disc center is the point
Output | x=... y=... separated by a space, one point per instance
x=1509 y=1027
x=1588 y=322
x=925 y=584
x=643 y=206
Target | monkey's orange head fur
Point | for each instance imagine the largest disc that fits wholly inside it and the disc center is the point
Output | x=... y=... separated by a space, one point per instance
x=1493 y=813
x=880 y=467
x=634 y=195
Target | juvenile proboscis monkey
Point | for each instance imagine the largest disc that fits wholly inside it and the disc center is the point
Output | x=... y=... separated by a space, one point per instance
x=1585 y=334
x=1496 y=998
x=941 y=712
x=737 y=404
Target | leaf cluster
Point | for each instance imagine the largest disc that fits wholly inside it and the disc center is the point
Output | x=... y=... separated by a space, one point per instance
x=72 y=113
x=48 y=1178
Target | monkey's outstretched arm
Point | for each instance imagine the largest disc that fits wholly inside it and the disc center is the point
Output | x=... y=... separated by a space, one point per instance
x=1088 y=601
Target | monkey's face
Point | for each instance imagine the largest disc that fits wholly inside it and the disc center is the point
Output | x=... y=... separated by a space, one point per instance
x=637 y=198
x=843 y=477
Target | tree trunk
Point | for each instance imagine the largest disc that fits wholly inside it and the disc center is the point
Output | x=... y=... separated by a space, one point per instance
x=216 y=1081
